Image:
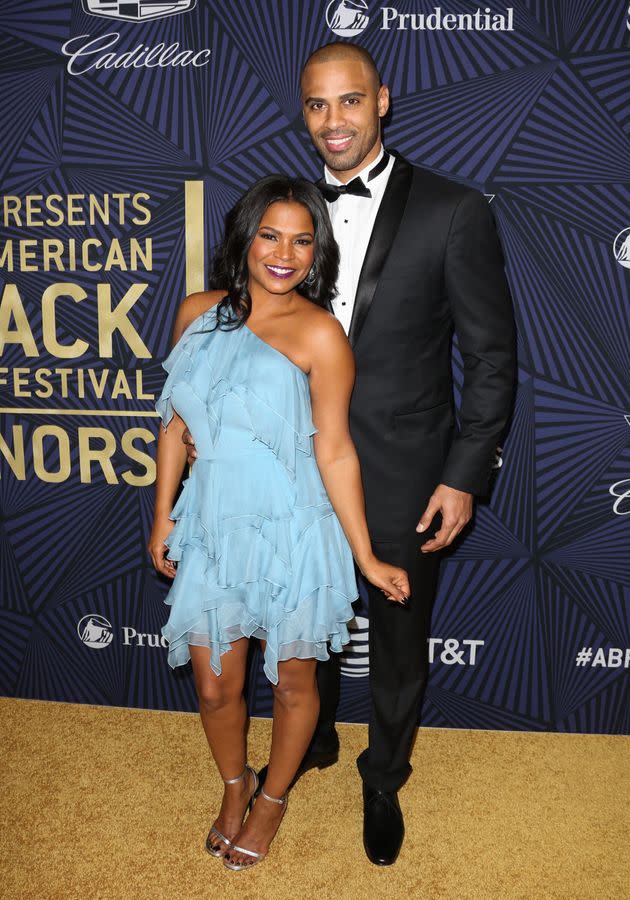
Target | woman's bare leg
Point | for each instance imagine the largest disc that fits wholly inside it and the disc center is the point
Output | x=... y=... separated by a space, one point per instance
x=295 y=712
x=224 y=717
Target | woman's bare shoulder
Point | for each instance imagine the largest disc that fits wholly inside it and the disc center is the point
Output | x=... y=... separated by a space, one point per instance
x=322 y=325
x=325 y=341
x=193 y=306
x=198 y=303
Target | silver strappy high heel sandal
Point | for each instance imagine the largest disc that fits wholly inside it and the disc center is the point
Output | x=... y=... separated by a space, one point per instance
x=256 y=857
x=214 y=834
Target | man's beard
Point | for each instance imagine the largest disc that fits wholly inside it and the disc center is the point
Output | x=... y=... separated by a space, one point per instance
x=344 y=162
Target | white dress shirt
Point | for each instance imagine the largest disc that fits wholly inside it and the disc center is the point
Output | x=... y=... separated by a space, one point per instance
x=352 y=220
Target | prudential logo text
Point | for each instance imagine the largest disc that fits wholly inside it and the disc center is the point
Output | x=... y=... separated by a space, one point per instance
x=348 y=18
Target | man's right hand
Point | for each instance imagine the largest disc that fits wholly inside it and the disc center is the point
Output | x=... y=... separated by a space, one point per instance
x=191 y=451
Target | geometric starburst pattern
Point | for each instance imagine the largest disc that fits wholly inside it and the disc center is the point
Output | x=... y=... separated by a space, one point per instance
x=531 y=627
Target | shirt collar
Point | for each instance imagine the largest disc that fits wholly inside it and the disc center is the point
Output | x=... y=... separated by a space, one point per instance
x=332 y=179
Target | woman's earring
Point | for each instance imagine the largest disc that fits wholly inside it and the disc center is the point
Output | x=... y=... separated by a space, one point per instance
x=312 y=276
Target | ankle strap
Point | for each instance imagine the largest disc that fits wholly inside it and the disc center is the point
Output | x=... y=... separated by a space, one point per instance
x=281 y=800
x=240 y=777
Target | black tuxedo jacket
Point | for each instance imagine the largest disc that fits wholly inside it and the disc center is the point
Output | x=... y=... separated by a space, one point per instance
x=433 y=267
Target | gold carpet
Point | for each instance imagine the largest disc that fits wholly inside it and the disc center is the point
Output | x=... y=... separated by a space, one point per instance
x=102 y=802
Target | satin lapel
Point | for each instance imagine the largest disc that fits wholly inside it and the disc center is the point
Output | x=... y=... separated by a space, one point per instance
x=388 y=219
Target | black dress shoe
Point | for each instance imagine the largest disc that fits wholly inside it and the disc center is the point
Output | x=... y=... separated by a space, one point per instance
x=314 y=759
x=383 y=826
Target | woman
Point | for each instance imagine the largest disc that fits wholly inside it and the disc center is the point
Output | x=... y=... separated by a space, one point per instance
x=272 y=512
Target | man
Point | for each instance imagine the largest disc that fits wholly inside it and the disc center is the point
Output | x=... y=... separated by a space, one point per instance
x=419 y=259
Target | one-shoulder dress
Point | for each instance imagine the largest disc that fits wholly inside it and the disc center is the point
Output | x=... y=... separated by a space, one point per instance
x=259 y=549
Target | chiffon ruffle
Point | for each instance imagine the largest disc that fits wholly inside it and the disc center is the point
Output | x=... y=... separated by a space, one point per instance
x=259 y=548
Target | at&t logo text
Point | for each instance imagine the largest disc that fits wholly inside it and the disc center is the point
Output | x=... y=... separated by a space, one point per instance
x=448 y=651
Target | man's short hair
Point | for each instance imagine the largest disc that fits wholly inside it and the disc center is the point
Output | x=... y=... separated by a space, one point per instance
x=338 y=51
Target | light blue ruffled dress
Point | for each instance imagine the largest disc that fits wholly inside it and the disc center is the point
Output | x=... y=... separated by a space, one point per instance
x=259 y=549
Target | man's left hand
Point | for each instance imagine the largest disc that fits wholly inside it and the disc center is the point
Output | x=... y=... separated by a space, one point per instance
x=456 y=508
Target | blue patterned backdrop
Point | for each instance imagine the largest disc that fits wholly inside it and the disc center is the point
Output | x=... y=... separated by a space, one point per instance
x=120 y=103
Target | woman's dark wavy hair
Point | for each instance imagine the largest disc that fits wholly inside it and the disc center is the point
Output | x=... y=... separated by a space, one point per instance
x=229 y=269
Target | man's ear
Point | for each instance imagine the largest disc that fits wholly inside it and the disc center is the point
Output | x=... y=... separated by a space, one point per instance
x=382 y=100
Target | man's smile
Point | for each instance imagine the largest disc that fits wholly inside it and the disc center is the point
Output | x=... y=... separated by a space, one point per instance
x=338 y=143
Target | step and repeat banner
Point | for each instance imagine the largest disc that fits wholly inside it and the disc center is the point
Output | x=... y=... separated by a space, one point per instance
x=129 y=128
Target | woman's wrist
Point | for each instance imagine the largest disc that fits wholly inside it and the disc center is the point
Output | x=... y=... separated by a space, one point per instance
x=161 y=516
x=365 y=560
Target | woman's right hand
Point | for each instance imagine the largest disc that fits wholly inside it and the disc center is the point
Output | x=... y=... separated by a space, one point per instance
x=392 y=580
x=191 y=450
x=158 y=549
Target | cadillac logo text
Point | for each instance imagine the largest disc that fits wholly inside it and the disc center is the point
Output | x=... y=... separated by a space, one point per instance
x=85 y=54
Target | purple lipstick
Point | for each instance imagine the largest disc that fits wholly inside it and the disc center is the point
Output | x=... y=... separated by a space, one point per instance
x=280 y=271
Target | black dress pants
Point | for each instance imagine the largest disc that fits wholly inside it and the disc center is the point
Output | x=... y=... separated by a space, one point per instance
x=398 y=669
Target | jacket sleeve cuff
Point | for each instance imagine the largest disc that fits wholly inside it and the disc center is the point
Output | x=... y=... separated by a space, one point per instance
x=469 y=468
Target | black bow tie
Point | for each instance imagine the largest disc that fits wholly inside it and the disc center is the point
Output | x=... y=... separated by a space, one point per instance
x=331 y=192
